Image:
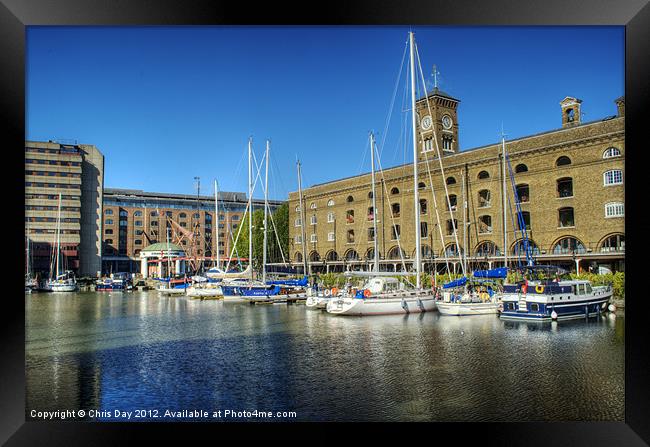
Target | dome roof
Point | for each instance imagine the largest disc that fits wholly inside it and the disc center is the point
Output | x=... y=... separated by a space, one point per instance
x=162 y=246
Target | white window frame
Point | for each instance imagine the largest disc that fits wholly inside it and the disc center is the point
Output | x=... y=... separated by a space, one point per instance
x=313 y=220
x=313 y=238
x=298 y=222
x=298 y=239
x=330 y=217
x=312 y=206
x=614 y=209
x=330 y=236
x=330 y=202
x=612 y=152
x=613 y=177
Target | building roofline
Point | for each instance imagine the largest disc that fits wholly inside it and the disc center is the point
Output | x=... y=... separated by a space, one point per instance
x=608 y=118
x=223 y=195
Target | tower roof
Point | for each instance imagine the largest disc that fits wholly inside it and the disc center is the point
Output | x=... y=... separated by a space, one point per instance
x=162 y=246
x=437 y=92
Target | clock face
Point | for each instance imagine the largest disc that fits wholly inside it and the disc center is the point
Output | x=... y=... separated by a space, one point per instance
x=446 y=122
x=426 y=122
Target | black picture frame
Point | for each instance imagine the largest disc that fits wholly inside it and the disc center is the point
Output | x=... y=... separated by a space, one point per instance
x=15 y=15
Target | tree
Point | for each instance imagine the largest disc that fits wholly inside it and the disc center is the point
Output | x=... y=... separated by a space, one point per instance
x=281 y=220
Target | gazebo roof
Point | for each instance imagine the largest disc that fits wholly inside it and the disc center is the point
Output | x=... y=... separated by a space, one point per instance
x=162 y=246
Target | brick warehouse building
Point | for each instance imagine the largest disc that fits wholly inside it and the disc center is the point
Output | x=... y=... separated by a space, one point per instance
x=135 y=219
x=569 y=181
x=76 y=171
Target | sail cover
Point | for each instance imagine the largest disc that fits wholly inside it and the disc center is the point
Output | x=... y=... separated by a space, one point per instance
x=455 y=283
x=500 y=272
x=291 y=282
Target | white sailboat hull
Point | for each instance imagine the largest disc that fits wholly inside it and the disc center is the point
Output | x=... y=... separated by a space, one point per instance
x=459 y=309
x=63 y=287
x=171 y=291
x=381 y=306
x=317 y=302
x=191 y=291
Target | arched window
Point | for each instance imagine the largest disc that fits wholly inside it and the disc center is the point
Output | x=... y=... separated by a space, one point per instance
x=450 y=180
x=485 y=224
x=615 y=242
x=487 y=248
x=108 y=241
x=138 y=214
x=421 y=185
x=153 y=213
x=611 y=152
x=109 y=222
x=123 y=213
x=521 y=168
x=312 y=206
x=314 y=256
x=351 y=255
x=108 y=212
x=330 y=202
x=350 y=199
x=394 y=191
x=523 y=193
x=563 y=161
x=394 y=253
x=565 y=187
x=332 y=256
x=370 y=254
x=298 y=256
x=425 y=252
x=519 y=248
x=483 y=175
x=452 y=250
x=568 y=245
x=484 y=198
x=297 y=208
x=565 y=217
x=182 y=216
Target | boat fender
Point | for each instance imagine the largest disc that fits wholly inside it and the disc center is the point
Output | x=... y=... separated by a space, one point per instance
x=484 y=296
x=309 y=292
x=327 y=292
x=539 y=289
x=554 y=315
x=366 y=293
x=335 y=291
x=405 y=306
x=612 y=308
x=604 y=306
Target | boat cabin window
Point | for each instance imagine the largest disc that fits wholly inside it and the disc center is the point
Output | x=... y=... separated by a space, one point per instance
x=588 y=288
x=534 y=307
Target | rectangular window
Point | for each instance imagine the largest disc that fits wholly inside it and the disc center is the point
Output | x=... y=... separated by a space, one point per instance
x=313 y=238
x=613 y=177
x=298 y=222
x=349 y=216
x=614 y=210
x=424 y=229
x=395 y=232
x=313 y=220
x=350 y=236
x=330 y=236
x=371 y=234
x=298 y=239
x=330 y=217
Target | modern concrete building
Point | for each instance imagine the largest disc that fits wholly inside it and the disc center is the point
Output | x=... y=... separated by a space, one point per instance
x=569 y=181
x=135 y=219
x=76 y=173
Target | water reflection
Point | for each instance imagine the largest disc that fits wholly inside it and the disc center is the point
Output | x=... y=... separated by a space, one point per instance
x=140 y=350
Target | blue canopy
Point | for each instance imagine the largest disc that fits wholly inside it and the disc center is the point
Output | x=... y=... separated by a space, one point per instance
x=291 y=282
x=500 y=272
x=455 y=283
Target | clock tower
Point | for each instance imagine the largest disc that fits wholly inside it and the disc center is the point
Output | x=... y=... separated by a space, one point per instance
x=437 y=111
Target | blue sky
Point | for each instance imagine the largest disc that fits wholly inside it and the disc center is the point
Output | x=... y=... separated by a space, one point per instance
x=166 y=104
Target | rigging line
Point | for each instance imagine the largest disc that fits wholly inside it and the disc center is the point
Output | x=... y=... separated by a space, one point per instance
x=520 y=217
x=236 y=239
x=402 y=123
x=275 y=230
x=392 y=102
x=442 y=171
x=390 y=206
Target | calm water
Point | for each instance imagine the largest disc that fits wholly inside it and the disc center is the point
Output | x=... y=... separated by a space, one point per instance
x=130 y=351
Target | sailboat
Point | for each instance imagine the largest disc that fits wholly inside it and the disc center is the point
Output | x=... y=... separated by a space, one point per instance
x=30 y=281
x=64 y=282
x=383 y=293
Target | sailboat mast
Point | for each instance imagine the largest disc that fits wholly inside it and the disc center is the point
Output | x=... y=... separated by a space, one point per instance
x=169 y=270
x=216 y=219
x=302 y=218
x=465 y=223
x=266 y=209
x=250 y=208
x=503 y=194
x=374 y=204
x=416 y=195
x=58 y=237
